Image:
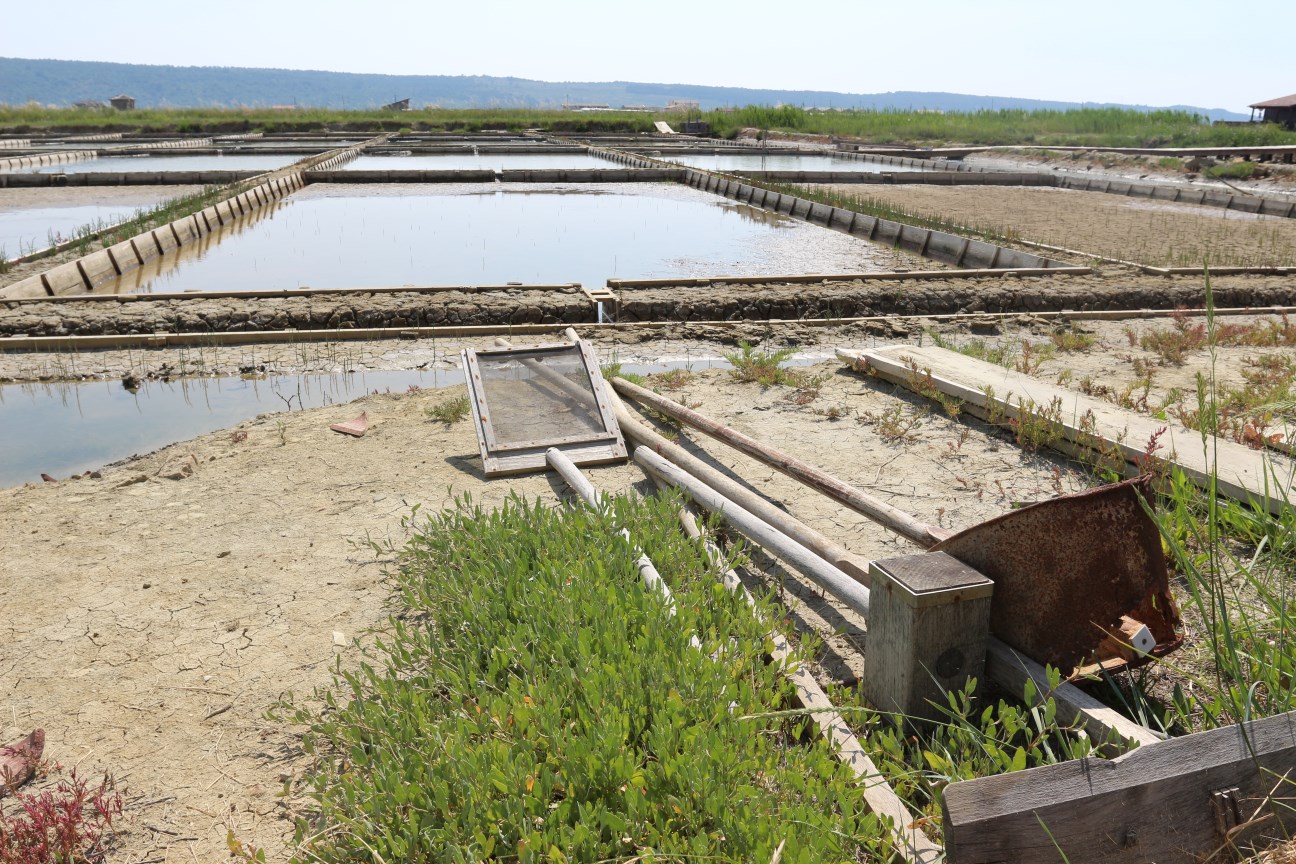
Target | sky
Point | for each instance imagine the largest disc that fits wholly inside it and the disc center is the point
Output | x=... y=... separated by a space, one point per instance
x=1148 y=53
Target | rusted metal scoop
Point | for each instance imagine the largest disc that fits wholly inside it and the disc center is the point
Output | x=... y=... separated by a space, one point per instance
x=1067 y=570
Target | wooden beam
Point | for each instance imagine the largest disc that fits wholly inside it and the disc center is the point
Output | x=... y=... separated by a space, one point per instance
x=816 y=478
x=1010 y=669
x=1242 y=473
x=1183 y=800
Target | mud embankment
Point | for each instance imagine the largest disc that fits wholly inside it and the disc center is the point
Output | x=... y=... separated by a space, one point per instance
x=316 y=312
x=719 y=302
x=947 y=297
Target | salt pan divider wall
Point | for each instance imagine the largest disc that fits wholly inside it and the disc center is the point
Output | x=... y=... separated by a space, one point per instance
x=85 y=273
x=936 y=245
x=58 y=158
x=179 y=144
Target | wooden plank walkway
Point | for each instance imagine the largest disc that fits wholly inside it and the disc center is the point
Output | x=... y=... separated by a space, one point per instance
x=1244 y=474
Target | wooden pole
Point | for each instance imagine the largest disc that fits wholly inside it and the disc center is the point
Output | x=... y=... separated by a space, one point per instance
x=582 y=487
x=816 y=478
x=854 y=595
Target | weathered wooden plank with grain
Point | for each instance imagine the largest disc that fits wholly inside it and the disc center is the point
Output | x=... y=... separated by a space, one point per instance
x=1181 y=800
x=1243 y=474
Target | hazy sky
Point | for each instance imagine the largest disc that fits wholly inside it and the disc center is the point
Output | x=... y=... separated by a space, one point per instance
x=1156 y=53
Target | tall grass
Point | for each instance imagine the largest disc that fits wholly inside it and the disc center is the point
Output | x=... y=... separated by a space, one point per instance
x=1236 y=562
x=1112 y=127
x=1080 y=126
x=32 y=118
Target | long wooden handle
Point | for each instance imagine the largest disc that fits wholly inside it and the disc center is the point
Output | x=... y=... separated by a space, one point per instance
x=816 y=478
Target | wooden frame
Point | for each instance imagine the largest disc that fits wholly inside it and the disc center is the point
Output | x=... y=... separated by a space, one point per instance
x=512 y=457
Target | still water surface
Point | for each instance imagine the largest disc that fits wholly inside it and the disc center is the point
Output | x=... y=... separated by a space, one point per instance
x=736 y=163
x=65 y=429
x=342 y=235
x=483 y=161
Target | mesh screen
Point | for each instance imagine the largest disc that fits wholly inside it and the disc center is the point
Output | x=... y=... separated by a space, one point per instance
x=527 y=405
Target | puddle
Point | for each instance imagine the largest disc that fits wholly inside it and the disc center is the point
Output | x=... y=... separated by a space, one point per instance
x=346 y=236
x=482 y=161
x=119 y=164
x=736 y=163
x=65 y=429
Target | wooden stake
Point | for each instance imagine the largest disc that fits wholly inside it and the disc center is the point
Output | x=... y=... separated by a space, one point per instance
x=816 y=478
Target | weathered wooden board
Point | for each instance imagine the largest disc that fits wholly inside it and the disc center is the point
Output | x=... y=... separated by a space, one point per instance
x=1243 y=474
x=1181 y=800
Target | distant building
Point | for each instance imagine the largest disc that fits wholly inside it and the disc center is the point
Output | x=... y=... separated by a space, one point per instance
x=89 y=104
x=584 y=106
x=123 y=103
x=398 y=105
x=1281 y=110
x=683 y=106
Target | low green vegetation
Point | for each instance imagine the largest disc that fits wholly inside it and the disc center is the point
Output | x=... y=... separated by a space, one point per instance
x=450 y=411
x=1113 y=127
x=752 y=365
x=531 y=700
x=1231 y=170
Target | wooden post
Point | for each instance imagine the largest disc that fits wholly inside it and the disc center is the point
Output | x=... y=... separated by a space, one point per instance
x=929 y=621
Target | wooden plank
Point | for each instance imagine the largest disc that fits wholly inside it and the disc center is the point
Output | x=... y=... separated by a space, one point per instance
x=1010 y=670
x=1243 y=474
x=1180 y=801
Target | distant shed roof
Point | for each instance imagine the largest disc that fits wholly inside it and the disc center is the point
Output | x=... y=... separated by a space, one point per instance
x=1280 y=102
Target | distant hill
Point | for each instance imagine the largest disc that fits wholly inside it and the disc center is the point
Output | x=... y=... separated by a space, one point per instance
x=63 y=82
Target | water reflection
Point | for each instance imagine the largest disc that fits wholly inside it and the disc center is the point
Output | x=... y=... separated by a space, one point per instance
x=342 y=236
x=67 y=428
x=63 y=429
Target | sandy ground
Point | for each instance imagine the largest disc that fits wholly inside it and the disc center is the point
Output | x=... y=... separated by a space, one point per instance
x=1149 y=232
x=151 y=621
x=1281 y=182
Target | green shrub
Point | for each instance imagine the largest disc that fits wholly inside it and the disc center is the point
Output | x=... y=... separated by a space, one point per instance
x=534 y=702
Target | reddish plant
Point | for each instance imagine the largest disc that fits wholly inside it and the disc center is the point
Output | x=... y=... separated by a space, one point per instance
x=64 y=825
x=1148 y=461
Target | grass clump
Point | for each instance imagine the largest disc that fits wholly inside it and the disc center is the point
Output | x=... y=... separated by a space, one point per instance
x=765 y=367
x=451 y=411
x=613 y=370
x=1002 y=353
x=672 y=379
x=1072 y=340
x=534 y=702
x=1231 y=171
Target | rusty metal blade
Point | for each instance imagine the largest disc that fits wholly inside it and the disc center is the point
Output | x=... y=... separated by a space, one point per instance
x=1067 y=569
